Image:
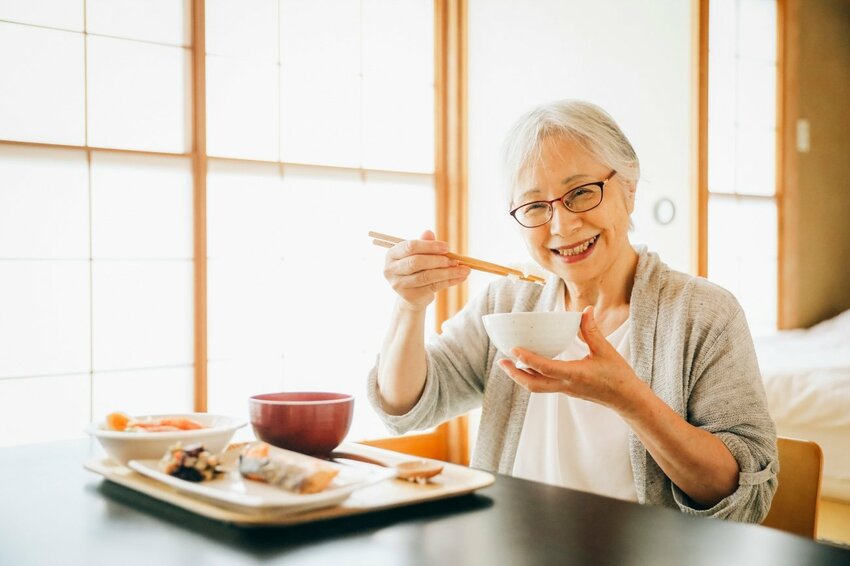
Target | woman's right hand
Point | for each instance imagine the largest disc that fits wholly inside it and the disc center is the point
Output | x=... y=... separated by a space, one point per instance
x=417 y=269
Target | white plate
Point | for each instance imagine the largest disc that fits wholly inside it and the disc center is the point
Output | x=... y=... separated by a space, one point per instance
x=234 y=491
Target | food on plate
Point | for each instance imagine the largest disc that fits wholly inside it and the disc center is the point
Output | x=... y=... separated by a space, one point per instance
x=301 y=475
x=193 y=463
x=123 y=422
x=117 y=420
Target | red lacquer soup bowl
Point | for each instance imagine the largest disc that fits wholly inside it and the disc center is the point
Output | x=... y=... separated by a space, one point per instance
x=310 y=422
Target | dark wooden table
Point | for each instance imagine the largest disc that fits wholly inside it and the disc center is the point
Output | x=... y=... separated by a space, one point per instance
x=54 y=512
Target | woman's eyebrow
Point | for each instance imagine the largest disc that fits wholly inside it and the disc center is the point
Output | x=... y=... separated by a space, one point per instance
x=529 y=192
x=572 y=178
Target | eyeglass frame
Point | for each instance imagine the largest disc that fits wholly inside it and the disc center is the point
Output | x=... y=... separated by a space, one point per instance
x=551 y=203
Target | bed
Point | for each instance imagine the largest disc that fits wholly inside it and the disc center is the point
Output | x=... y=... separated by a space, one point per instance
x=807 y=380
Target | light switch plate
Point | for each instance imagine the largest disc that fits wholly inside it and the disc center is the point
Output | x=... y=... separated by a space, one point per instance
x=803 y=136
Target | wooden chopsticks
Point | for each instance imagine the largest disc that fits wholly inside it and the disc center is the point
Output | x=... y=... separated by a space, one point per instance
x=386 y=241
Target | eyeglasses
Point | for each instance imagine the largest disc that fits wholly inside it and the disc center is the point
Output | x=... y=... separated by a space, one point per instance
x=580 y=199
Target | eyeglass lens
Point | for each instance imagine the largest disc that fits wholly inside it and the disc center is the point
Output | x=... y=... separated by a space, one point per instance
x=578 y=200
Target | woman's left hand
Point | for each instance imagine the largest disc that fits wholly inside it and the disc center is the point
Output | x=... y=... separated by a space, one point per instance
x=603 y=376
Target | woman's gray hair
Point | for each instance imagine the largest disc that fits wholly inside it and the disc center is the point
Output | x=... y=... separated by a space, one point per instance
x=587 y=124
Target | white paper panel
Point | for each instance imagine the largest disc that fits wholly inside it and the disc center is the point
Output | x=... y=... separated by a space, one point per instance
x=243 y=29
x=721 y=121
x=242 y=109
x=141 y=206
x=320 y=38
x=142 y=314
x=742 y=254
x=756 y=104
x=44 y=203
x=138 y=95
x=43 y=409
x=246 y=302
x=722 y=27
x=758 y=294
x=64 y=14
x=320 y=109
x=722 y=88
x=398 y=127
x=45 y=100
x=143 y=392
x=755 y=161
x=721 y=156
x=757 y=29
x=161 y=21
x=245 y=210
x=320 y=118
x=398 y=40
x=44 y=326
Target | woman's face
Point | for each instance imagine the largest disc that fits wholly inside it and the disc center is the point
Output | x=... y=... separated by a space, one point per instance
x=579 y=247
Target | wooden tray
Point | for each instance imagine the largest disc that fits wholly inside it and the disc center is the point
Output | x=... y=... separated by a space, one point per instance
x=452 y=482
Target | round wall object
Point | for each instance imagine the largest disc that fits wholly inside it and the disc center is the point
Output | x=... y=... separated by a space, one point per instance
x=664 y=211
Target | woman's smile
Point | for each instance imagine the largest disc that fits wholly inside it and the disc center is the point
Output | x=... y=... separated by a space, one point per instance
x=576 y=252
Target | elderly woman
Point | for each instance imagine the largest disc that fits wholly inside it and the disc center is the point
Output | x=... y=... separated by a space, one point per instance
x=661 y=401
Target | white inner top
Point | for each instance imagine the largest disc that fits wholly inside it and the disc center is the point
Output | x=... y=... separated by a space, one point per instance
x=575 y=443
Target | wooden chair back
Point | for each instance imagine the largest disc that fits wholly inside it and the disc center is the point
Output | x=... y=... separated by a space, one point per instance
x=795 y=504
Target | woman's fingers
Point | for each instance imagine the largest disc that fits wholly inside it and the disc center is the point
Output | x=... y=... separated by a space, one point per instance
x=411 y=264
x=413 y=247
x=416 y=269
x=531 y=379
x=603 y=376
x=590 y=332
x=433 y=279
x=531 y=360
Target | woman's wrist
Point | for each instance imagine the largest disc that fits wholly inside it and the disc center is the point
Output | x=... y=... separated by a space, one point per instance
x=404 y=307
x=636 y=403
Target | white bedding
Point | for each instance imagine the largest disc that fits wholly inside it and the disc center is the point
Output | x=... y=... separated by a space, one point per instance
x=807 y=380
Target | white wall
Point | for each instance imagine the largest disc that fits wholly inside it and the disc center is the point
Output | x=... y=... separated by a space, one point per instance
x=630 y=57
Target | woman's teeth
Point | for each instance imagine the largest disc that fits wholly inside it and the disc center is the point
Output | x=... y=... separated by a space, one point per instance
x=580 y=248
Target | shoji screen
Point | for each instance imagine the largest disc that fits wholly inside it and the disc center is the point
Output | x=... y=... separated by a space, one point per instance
x=95 y=214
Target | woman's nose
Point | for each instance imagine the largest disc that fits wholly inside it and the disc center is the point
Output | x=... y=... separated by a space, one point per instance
x=562 y=218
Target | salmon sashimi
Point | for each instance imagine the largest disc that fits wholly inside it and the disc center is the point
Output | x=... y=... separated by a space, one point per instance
x=123 y=422
x=148 y=427
x=181 y=423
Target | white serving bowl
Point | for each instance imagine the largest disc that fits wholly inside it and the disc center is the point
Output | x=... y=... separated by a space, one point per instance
x=544 y=333
x=125 y=446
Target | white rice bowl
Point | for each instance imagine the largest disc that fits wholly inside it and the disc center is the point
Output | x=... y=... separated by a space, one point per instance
x=124 y=446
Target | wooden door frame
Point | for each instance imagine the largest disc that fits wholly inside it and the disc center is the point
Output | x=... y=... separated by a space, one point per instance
x=699 y=137
x=786 y=172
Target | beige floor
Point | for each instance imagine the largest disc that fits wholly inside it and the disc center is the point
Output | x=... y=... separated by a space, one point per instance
x=834 y=521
